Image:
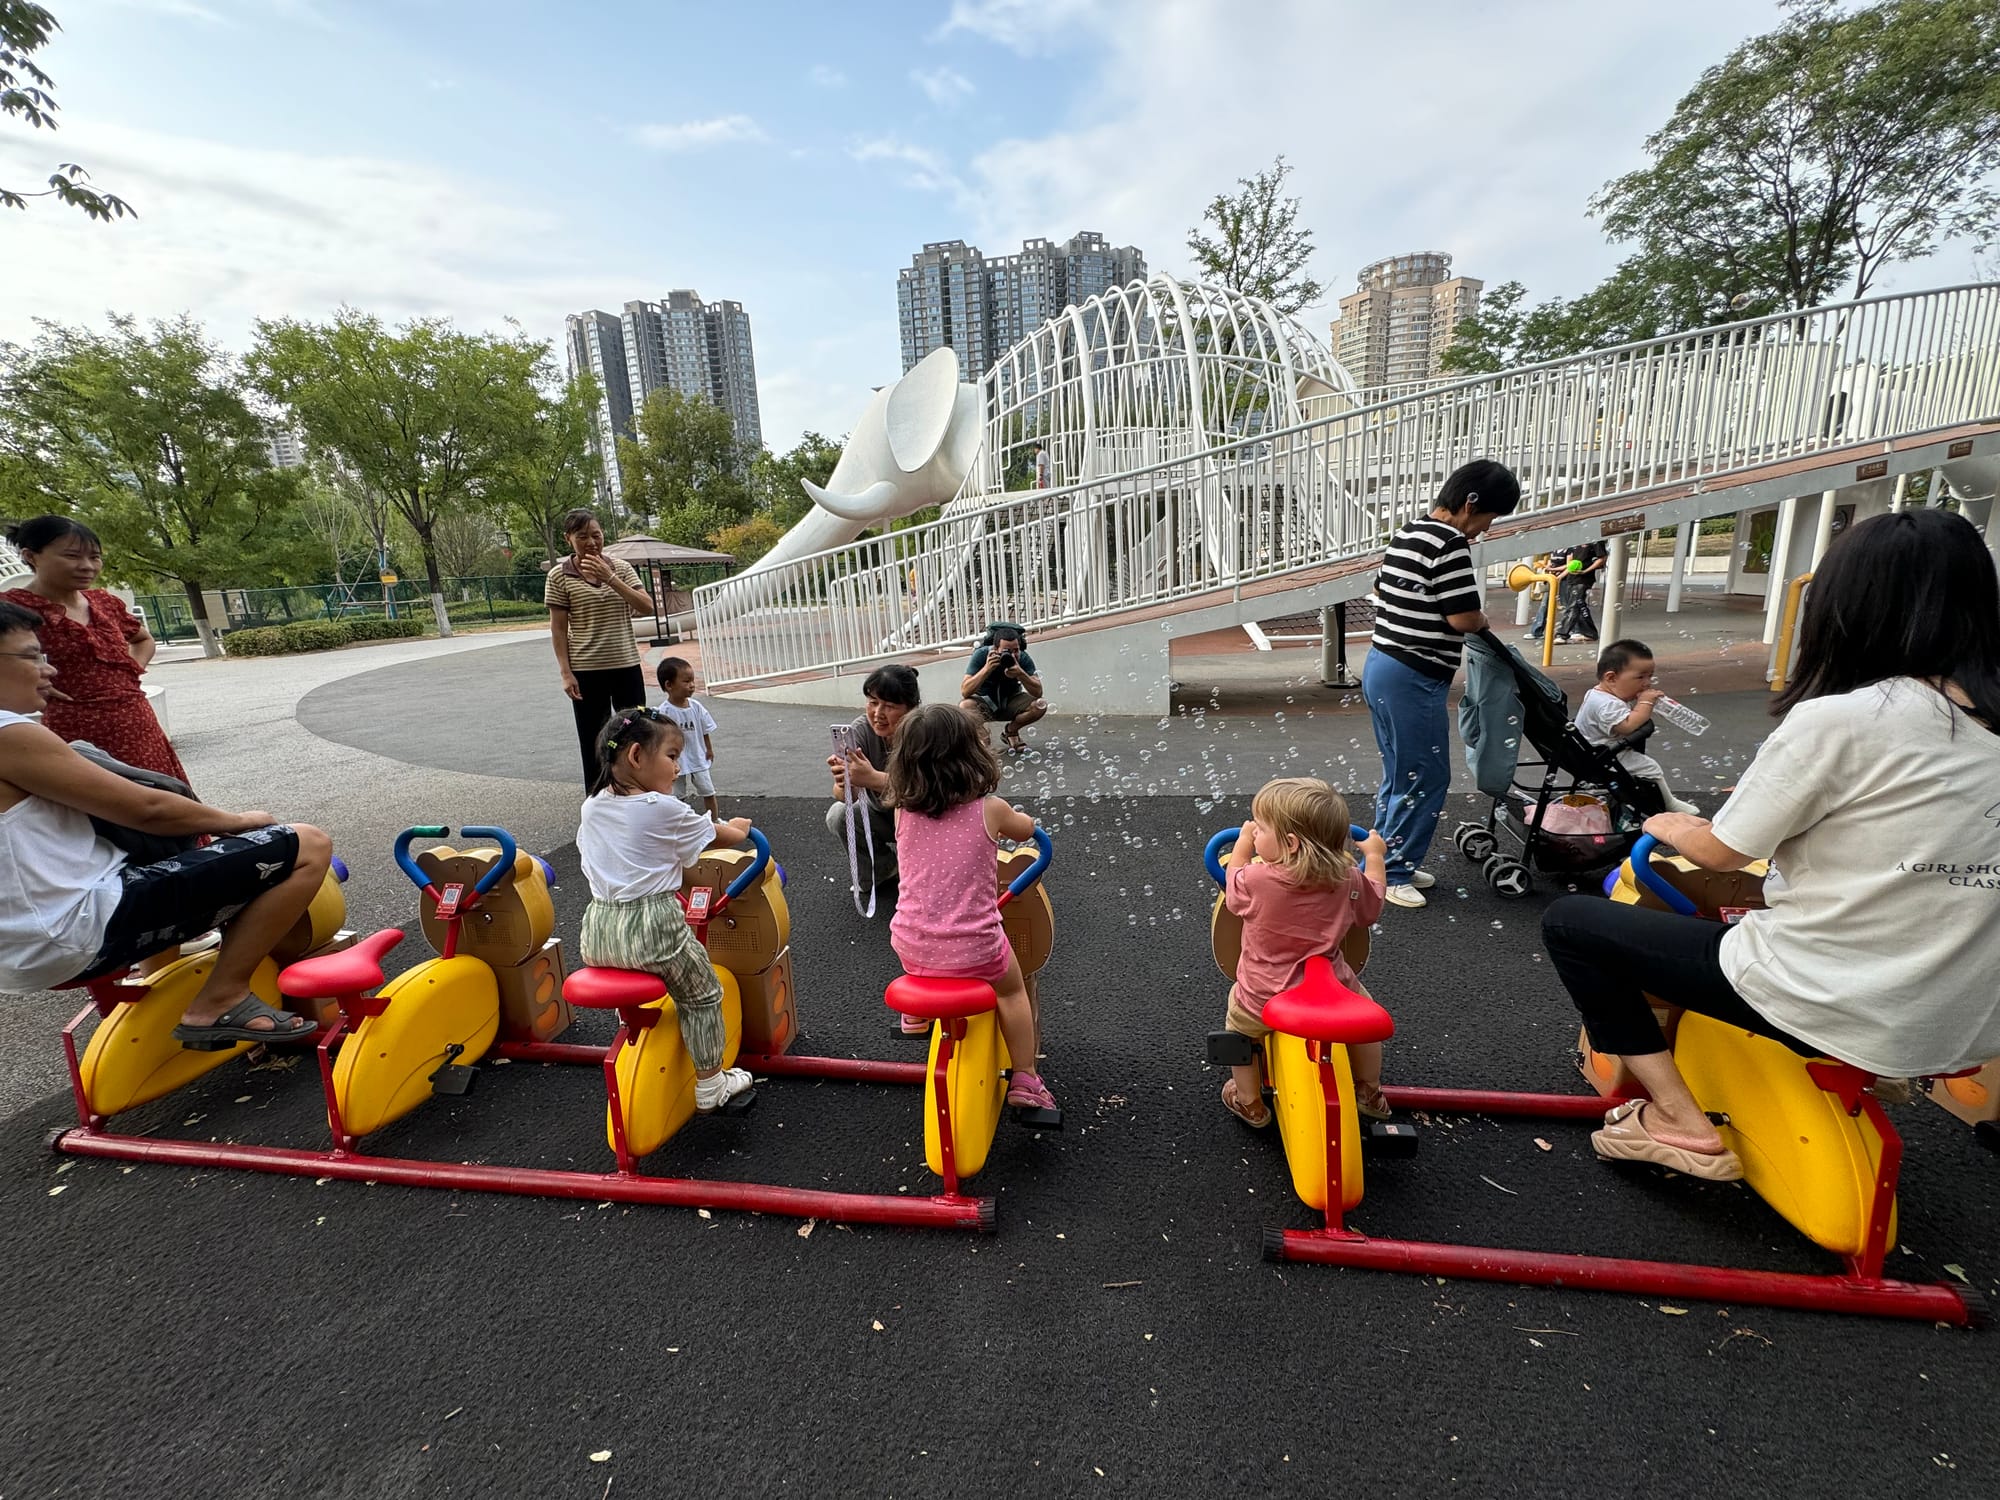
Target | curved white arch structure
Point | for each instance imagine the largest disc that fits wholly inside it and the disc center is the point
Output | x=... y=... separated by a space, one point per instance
x=1211 y=464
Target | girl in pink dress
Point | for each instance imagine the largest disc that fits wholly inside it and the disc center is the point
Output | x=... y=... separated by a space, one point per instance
x=947 y=921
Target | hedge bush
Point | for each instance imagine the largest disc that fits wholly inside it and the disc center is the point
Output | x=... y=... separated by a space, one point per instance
x=321 y=635
x=477 y=611
x=263 y=641
x=381 y=628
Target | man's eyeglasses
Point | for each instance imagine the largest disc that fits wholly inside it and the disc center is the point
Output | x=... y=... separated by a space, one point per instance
x=34 y=656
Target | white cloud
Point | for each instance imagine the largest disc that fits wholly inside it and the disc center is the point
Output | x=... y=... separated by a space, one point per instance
x=1451 y=134
x=826 y=77
x=235 y=233
x=228 y=12
x=1028 y=26
x=944 y=87
x=927 y=170
x=697 y=135
x=185 y=10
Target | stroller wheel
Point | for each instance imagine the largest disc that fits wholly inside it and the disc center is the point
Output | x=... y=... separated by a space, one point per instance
x=1475 y=843
x=1508 y=877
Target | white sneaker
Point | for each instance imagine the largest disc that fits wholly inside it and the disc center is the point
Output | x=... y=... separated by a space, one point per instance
x=1405 y=895
x=1423 y=880
x=713 y=1093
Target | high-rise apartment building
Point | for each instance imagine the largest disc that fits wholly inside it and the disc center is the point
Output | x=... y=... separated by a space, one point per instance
x=682 y=344
x=595 y=342
x=952 y=293
x=1394 y=328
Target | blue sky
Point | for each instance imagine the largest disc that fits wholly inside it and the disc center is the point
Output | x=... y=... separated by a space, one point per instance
x=489 y=159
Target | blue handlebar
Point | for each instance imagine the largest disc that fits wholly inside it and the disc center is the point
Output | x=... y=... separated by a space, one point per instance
x=755 y=872
x=1212 y=855
x=1640 y=863
x=502 y=865
x=485 y=882
x=421 y=831
x=1045 y=851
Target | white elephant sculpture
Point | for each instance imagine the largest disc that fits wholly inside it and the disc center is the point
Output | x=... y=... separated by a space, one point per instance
x=913 y=447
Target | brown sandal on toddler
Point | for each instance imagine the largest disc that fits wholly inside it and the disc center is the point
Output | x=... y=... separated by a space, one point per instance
x=1257 y=1120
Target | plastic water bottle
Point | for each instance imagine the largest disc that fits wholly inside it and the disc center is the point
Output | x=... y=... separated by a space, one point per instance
x=1680 y=716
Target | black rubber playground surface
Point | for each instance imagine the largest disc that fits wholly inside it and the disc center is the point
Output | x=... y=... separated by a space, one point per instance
x=176 y=1333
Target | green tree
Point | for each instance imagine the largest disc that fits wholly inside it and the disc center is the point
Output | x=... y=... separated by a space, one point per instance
x=775 y=482
x=424 y=414
x=553 y=469
x=27 y=93
x=746 y=541
x=685 y=474
x=1838 y=142
x=150 y=438
x=1258 y=247
x=1647 y=297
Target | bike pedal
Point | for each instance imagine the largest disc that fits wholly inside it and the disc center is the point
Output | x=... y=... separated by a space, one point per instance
x=1390 y=1138
x=896 y=1030
x=454 y=1078
x=1035 y=1118
x=1230 y=1049
x=211 y=1044
x=737 y=1104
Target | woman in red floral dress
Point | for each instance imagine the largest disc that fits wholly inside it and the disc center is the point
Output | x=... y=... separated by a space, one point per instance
x=98 y=647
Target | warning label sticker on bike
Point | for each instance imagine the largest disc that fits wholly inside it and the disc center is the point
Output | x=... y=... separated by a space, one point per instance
x=1731 y=915
x=448 y=901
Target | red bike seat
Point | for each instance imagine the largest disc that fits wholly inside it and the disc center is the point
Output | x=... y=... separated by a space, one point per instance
x=608 y=989
x=1322 y=1009
x=939 y=999
x=336 y=974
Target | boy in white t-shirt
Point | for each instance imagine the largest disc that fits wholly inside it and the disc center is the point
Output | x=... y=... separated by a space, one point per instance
x=1620 y=706
x=676 y=678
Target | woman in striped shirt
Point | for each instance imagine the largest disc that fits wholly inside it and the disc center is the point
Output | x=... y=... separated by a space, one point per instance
x=1427 y=600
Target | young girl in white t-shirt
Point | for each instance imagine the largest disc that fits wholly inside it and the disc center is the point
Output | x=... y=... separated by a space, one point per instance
x=635 y=840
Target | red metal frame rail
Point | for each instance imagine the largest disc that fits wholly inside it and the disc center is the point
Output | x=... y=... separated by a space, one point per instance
x=1861 y=1288
x=949 y=1209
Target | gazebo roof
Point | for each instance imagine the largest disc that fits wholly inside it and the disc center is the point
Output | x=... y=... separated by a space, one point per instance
x=650 y=549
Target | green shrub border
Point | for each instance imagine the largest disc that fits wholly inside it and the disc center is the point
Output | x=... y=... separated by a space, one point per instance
x=319 y=635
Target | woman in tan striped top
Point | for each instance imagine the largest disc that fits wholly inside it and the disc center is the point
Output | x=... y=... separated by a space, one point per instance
x=591 y=600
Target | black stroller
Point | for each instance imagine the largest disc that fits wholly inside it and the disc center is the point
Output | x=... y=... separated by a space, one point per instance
x=1570 y=772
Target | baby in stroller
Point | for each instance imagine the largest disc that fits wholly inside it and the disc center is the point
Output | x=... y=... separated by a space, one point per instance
x=1619 y=712
x=1569 y=804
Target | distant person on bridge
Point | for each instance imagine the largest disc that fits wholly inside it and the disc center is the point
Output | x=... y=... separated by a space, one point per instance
x=1427 y=600
x=1000 y=684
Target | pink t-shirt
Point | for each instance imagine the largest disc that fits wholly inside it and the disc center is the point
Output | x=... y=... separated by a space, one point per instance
x=1283 y=926
x=947 y=922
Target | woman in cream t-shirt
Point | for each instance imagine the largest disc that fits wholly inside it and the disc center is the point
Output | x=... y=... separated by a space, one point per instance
x=1877 y=801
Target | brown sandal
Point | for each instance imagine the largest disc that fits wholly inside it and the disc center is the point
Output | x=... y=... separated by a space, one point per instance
x=1234 y=1105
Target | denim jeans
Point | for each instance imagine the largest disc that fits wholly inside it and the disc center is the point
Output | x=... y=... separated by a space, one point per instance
x=1413 y=732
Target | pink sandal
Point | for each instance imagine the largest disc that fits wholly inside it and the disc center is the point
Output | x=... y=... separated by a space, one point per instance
x=1626 y=1138
x=1027 y=1091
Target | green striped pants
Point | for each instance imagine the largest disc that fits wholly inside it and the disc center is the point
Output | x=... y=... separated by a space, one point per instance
x=651 y=934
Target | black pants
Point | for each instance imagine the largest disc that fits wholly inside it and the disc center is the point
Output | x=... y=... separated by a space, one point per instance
x=601 y=695
x=1575 y=617
x=1610 y=956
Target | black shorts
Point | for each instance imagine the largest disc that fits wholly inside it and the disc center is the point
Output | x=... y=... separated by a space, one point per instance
x=167 y=903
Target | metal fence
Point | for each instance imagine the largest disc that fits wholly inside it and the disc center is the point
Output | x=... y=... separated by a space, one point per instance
x=1600 y=425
